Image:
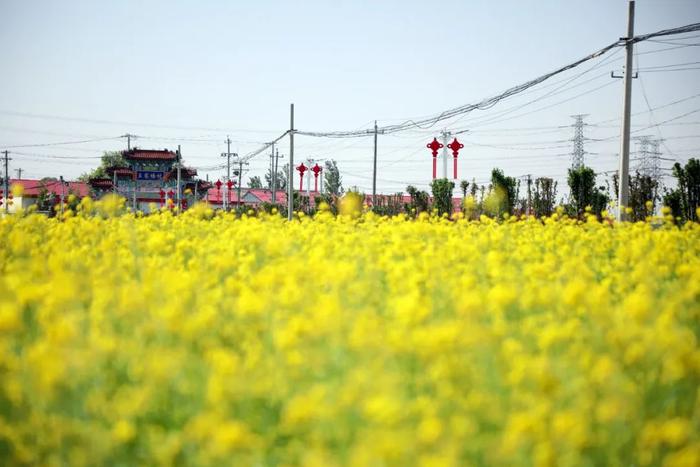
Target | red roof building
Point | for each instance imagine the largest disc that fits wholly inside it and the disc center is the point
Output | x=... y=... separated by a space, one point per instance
x=32 y=188
x=137 y=154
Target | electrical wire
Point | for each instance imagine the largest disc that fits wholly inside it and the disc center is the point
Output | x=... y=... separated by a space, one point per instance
x=490 y=102
x=125 y=123
x=482 y=105
x=61 y=143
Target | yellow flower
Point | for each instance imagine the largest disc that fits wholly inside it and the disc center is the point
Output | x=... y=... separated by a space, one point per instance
x=123 y=431
x=17 y=190
x=206 y=338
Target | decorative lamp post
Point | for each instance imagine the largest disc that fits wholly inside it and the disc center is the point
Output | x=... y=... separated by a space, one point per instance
x=301 y=168
x=434 y=146
x=455 y=146
x=316 y=169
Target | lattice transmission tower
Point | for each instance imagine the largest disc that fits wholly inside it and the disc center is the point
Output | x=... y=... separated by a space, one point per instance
x=644 y=162
x=578 y=152
x=654 y=160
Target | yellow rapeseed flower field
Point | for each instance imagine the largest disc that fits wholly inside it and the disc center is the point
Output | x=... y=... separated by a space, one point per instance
x=203 y=339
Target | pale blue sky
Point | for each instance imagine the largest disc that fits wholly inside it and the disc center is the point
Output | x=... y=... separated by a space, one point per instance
x=196 y=71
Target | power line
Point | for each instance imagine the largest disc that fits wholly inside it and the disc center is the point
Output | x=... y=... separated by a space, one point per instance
x=124 y=123
x=484 y=104
x=61 y=143
x=670 y=65
x=670 y=70
x=490 y=102
x=666 y=49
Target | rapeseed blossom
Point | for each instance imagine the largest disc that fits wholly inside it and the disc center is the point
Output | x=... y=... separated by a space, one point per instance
x=206 y=339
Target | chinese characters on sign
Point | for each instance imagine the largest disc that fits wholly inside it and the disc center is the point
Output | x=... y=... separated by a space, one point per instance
x=149 y=175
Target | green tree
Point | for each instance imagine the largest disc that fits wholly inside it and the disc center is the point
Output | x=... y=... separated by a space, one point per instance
x=388 y=205
x=332 y=181
x=442 y=195
x=672 y=199
x=686 y=196
x=642 y=188
x=584 y=193
x=544 y=197
x=280 y=179
x=108 y=159
x=420 y=200
x=255 y=182
x=464 y=186
x=505 y=190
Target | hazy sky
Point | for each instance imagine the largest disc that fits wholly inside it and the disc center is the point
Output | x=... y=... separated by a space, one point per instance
x=191 y=73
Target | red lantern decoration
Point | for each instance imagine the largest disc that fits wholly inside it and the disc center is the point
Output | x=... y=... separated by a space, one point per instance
x=455 y=146
x=162 y=197
x=316 y=169
x=301 y=168
x=171 y=193
x=218 y=185
x=434 y=146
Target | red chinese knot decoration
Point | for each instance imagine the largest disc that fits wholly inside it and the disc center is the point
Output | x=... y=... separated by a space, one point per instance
x=316 y=169
x=301 y=168
x=434 y=146
x=455 y=146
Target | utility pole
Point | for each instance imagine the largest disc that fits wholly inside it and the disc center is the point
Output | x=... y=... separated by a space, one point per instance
x=228 y=158
x=6 y=181
x=374 y=173
x=19 y=173
x=136 y=177
x=529 y=194
x=578 y=151
x=272 y=165
x=290 y=176
x=240 y=178
x=128 y=137
x=446 y=135
x=62 y=194
x=227 y=155
x=179 y=166
x=274 y=175
x=308 y=181
x=322 y=183
x=623 y=194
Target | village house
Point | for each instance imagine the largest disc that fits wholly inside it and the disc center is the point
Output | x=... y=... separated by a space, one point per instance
x=48 y=192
